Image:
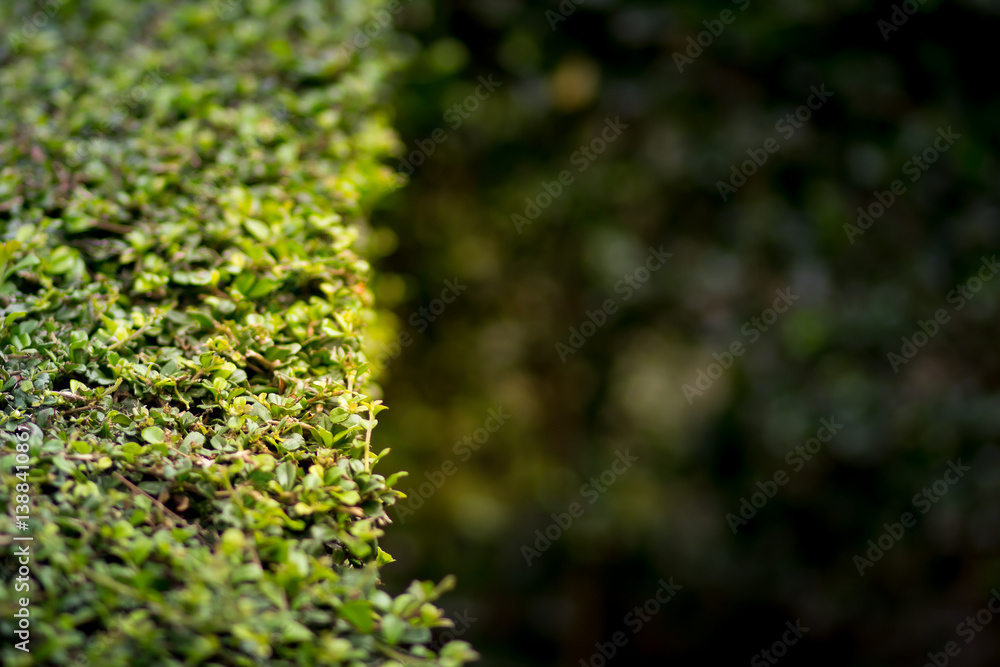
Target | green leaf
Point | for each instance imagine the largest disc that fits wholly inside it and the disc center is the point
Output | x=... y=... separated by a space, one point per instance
x=132 y=448
x=247 y=572
x=359 y=614
x=62 y=260
x=392 y=628
x=263 y=287
x=82 y=447
x=121 y=420
x=24 y=263
x=325 y=436
x=261 y=231
x=10 y=317
x=458 y=652
x=294 y=632
x=292 y=442
x=286 y=474
x=152 y=434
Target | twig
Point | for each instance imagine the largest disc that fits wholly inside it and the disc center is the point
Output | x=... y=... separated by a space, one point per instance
x=69 y=395
x=78 y=410
x=141 y=330
x=368 y=439
x=269 y=365
x=164 y=508
x=132 y=336
x=112 y=227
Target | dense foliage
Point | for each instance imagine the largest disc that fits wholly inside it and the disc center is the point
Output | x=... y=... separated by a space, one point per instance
x=186 y=414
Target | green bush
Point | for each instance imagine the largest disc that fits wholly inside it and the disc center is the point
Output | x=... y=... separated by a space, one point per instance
x=186 y=414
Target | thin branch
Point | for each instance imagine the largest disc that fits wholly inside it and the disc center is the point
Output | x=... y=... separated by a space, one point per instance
x=141 y=330
x=166 y=510
x=112 y=227
x=368 y=439
x=69 y=395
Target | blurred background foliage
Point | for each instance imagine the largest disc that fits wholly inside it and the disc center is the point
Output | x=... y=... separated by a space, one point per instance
x=827 y=356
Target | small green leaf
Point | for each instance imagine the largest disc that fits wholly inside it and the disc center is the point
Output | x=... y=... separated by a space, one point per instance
x=261 y=231
x=152 y=434
x=247 y=572
x=10 y=317
x=293 y=631
x=292 y=442
x=285 y=474
x=263 y=287
x=384 y=558
x=392 y=628
x=132 y=448
x=359 y=614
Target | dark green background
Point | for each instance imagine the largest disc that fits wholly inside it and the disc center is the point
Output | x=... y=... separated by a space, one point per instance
x=827 y=356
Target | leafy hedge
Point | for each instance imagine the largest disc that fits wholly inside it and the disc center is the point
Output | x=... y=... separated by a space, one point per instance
x=182 y=199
